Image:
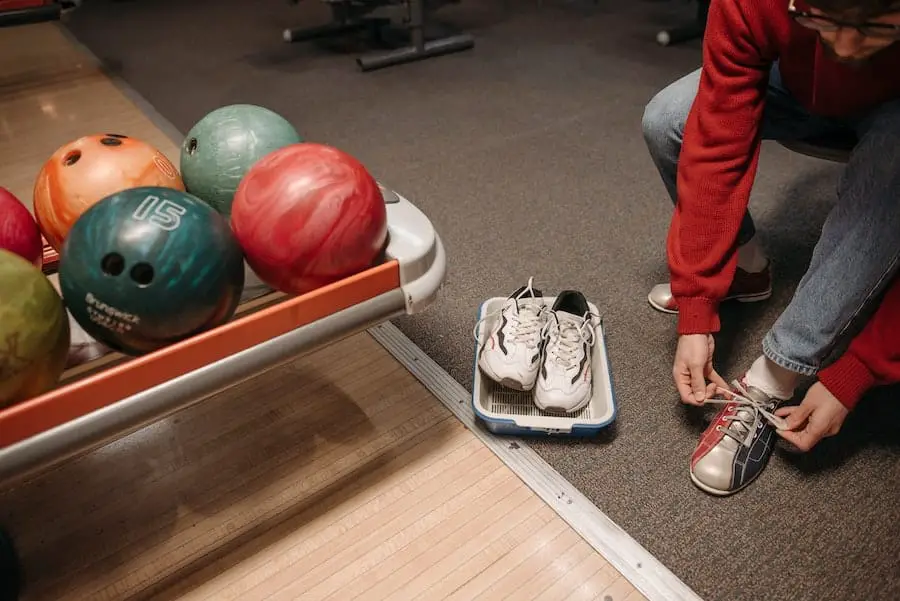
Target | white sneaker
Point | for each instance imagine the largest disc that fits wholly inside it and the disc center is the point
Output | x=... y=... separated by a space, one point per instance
x=564 y=382
x=511 y=351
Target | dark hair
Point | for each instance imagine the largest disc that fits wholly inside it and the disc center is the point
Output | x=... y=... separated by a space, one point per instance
x=858 y=9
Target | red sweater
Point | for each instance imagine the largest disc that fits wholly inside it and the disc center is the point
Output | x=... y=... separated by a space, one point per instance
x=720 y=152
x=873 y=358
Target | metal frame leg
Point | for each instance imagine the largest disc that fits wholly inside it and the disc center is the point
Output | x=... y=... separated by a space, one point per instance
x=688 y=31
x=419 y=48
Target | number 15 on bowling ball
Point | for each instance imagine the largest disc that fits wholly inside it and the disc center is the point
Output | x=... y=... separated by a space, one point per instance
x=164 y=214
x=148 y=267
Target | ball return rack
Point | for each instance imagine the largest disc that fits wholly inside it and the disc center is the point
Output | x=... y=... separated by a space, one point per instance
x=114 y=395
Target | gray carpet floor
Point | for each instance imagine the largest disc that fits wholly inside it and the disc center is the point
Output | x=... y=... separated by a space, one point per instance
x=527 y=155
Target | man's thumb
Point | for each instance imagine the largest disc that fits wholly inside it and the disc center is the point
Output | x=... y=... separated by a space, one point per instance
x=698 y=384
x=799 y=416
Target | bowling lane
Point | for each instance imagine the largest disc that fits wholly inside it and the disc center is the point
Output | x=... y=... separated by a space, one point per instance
x=336 y=476
x=43 y=90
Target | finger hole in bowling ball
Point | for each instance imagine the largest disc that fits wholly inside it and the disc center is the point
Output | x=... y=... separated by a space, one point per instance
x=120 y=136
x=192 y=146
x=142 y=274
x=111 y=141
x=71 y=158
x=112 y=264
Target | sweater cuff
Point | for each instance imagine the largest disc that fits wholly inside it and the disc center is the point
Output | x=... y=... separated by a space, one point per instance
x=848 y=379
x=697 y=315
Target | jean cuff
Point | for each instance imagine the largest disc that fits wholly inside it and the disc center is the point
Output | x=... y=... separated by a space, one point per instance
x=782 y=361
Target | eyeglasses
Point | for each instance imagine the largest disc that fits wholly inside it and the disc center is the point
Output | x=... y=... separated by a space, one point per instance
x=822 y=23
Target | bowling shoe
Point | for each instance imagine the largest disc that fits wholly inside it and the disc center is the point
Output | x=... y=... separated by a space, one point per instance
x=746 y=287
x=511 y=350
x=736 y=446
x=564 y=382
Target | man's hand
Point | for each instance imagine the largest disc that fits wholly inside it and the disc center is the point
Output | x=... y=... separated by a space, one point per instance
x=693 y=367
x=819 y=415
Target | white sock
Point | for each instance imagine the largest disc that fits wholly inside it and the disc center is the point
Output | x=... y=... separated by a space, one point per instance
x=772 y=379
x=751 y=257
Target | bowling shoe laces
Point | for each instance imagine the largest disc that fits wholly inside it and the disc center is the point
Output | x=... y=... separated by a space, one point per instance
x=564 y=382
x=511 y=350
x=738 y=443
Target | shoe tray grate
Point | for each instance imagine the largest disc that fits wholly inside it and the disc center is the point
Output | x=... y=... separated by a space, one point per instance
x=505 y=401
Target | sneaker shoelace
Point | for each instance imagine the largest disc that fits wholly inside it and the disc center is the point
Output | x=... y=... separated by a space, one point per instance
x=526 y=319
x=746 y=415
x=565 y=340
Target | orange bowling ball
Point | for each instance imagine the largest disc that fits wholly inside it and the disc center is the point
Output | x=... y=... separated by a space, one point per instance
x=85 y=171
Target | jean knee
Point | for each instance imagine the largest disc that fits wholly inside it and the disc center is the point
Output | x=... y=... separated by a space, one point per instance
x=659 y=124
x=666 y=114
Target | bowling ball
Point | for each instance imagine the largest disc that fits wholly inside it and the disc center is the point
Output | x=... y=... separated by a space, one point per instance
x=148 y=267
x=307 y=215
x=220 y=148
x=82 y=172
x=34 y=331
x=19 y=232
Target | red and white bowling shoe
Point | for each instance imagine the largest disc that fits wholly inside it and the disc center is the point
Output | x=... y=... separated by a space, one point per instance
x=736 y=446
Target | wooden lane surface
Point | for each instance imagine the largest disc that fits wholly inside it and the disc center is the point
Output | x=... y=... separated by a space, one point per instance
x=51 y=94
x=336 y=477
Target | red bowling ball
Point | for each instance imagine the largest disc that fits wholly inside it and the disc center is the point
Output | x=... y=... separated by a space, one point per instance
x=19 y=232
x=307 y=215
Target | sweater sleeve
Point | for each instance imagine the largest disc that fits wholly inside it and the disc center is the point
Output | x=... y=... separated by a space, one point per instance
x=873 y=358
x=718 y=161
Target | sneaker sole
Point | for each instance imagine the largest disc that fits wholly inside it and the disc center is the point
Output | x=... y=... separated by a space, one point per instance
x=574 y=409
x=746 y=298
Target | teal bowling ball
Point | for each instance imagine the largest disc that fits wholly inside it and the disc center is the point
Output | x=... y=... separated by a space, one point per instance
x=220 y=148
x=148 y=267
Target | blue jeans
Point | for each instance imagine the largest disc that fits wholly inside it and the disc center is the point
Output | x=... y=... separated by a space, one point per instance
x=859 y=247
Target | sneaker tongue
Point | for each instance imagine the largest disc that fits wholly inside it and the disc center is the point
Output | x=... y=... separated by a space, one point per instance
x=566 y=317
x=527 y=301
x=759 y=396
x=746 y=413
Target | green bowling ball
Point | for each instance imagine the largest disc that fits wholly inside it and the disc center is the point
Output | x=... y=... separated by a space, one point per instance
x=148 y=267
x=34 y=331
x=221 y=147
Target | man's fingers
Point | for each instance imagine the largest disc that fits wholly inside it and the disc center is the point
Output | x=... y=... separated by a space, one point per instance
x=682 y=377
x=800 y=439
x=785 y=411
x=798 y=416
x=809 y=436
x=686 y=392
x=815 y=430
x=698 y=384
